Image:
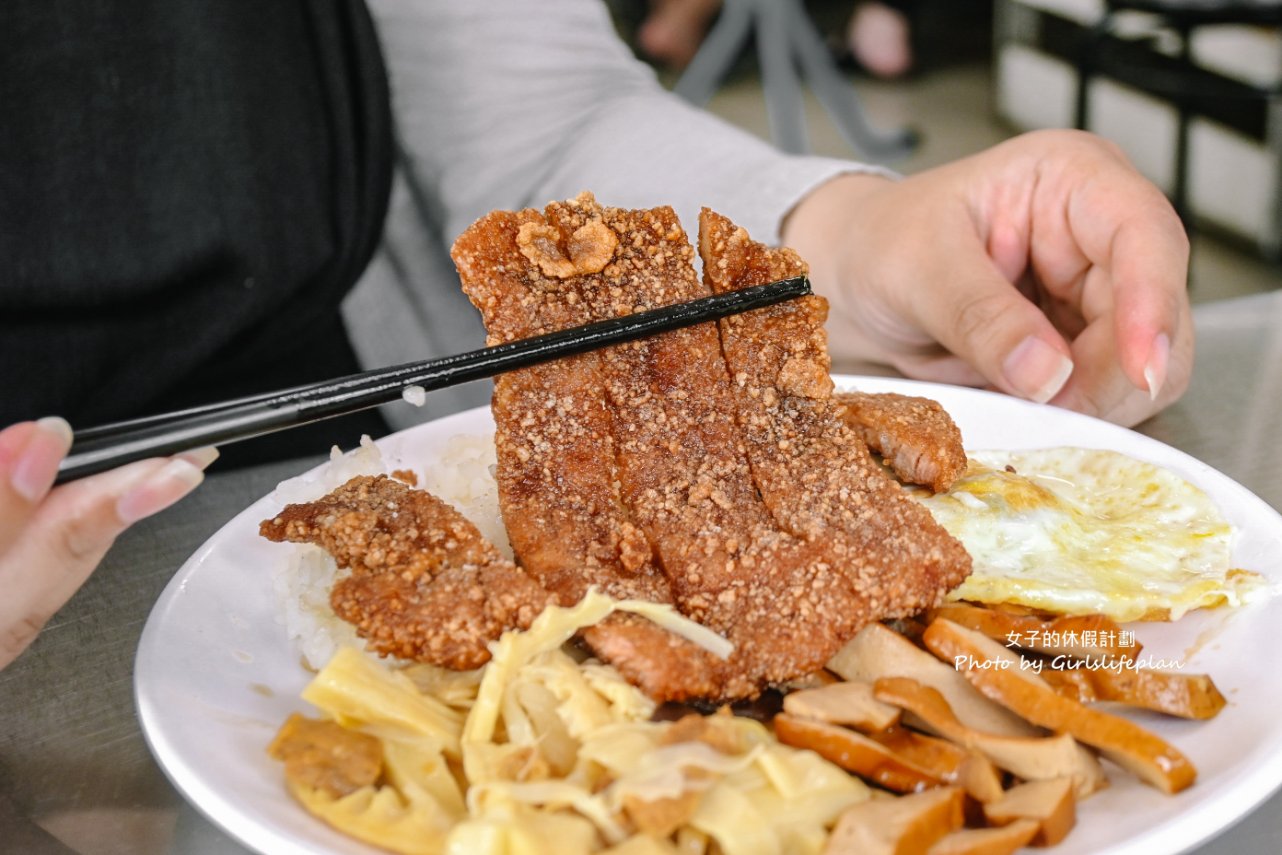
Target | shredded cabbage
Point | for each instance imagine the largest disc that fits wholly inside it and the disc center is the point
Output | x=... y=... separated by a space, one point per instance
x=627 y=702
x=552 y=794
x=536 y=750
x=364 y=695
x=378 y=815
x=728 y=816
x=678 y=624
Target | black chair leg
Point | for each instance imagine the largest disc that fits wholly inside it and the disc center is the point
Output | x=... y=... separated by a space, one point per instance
x=1092 y=41
x=1184 y=115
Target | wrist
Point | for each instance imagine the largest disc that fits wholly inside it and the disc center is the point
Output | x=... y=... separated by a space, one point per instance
x=826 y=228
x=820 y=218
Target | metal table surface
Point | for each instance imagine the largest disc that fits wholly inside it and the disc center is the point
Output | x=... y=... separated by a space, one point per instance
x=76 y=775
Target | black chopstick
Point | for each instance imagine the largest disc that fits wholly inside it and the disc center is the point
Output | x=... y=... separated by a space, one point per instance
x=104 y=447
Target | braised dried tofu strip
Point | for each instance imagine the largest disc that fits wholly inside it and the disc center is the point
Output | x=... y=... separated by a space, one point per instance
x=1035 y=758
x=892 y=826
x=877 y=652
x=856 y=752
x=1030 y=632
x=916 y=436
x=1192 y=696
x=424 y=584
x=556 y=474
x=813 y=471
x=995 y=671
x=1005 y=840
x=1049 y=803
x=682 y=471
x=848 y=703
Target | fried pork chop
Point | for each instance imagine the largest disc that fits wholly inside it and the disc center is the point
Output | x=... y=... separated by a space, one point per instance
x=424 y=584
x=815 y=473
x=916 y=436
x=557 y=492
x=708 y=468
x=558 y=487
x=643 y=471
x=682 y=470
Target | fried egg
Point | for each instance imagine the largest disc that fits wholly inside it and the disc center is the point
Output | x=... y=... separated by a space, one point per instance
x=1076 y=531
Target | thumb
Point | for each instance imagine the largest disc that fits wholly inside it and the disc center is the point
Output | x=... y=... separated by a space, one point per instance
x=71 y=530
x=984 y=319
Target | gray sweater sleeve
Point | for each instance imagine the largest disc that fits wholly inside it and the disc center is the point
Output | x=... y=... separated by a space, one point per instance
x=513 y=103
x=510 y=103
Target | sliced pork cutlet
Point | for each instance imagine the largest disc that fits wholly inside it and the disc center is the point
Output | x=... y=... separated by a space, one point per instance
x=814 y=473
x=916 y=436
x=424 y=584
x=555 y=472
x=683 y=473
x=557 y=478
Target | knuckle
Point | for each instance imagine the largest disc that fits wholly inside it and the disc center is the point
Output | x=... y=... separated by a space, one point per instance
x=1172 y=223
x=18 y=636
x=83 y=532
x=1093 y=145
x=1077 y=140
x=80 y=539
x=1107 y=146
x=975 y=313
x=1082 y=402
x=1090 y=399
x=1177 y=383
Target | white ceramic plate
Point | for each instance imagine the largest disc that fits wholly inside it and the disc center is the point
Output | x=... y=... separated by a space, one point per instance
x=215 y=674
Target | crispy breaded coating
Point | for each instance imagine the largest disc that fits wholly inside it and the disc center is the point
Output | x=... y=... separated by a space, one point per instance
x=683 y=473
x=709 y=468
x=557 y=488
x=916 y=436
x=424 y=585
x=616 y=469
x=664 y=666
x=557 y=479
x=813 y=471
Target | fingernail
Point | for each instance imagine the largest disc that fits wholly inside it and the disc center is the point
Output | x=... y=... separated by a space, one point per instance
x=201 y=457
x=1155 y=368
x=37 y=465
x=167 y=485
x=1036 y=370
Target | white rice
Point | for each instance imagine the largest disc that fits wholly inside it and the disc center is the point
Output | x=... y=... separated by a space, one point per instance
x=415 y=395
x=463 y=476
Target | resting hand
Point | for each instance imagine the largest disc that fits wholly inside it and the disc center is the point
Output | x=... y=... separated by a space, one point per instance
x=1045 y=267
x=51 y=539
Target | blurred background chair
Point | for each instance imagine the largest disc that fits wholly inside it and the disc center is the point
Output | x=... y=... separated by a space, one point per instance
x=1173 y=76
x=983 y=71
x=789 y=48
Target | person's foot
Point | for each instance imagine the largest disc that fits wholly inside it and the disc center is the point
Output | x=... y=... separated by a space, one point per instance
x=674 y=29
x=879 y=39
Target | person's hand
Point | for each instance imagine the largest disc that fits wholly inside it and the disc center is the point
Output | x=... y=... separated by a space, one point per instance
x=52 y=539
x=1045 y=267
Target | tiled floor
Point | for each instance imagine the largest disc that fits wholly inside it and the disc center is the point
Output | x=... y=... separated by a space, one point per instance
x=953 y=110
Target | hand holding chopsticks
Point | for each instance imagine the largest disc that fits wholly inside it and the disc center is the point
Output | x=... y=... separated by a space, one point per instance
x=100 y=448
